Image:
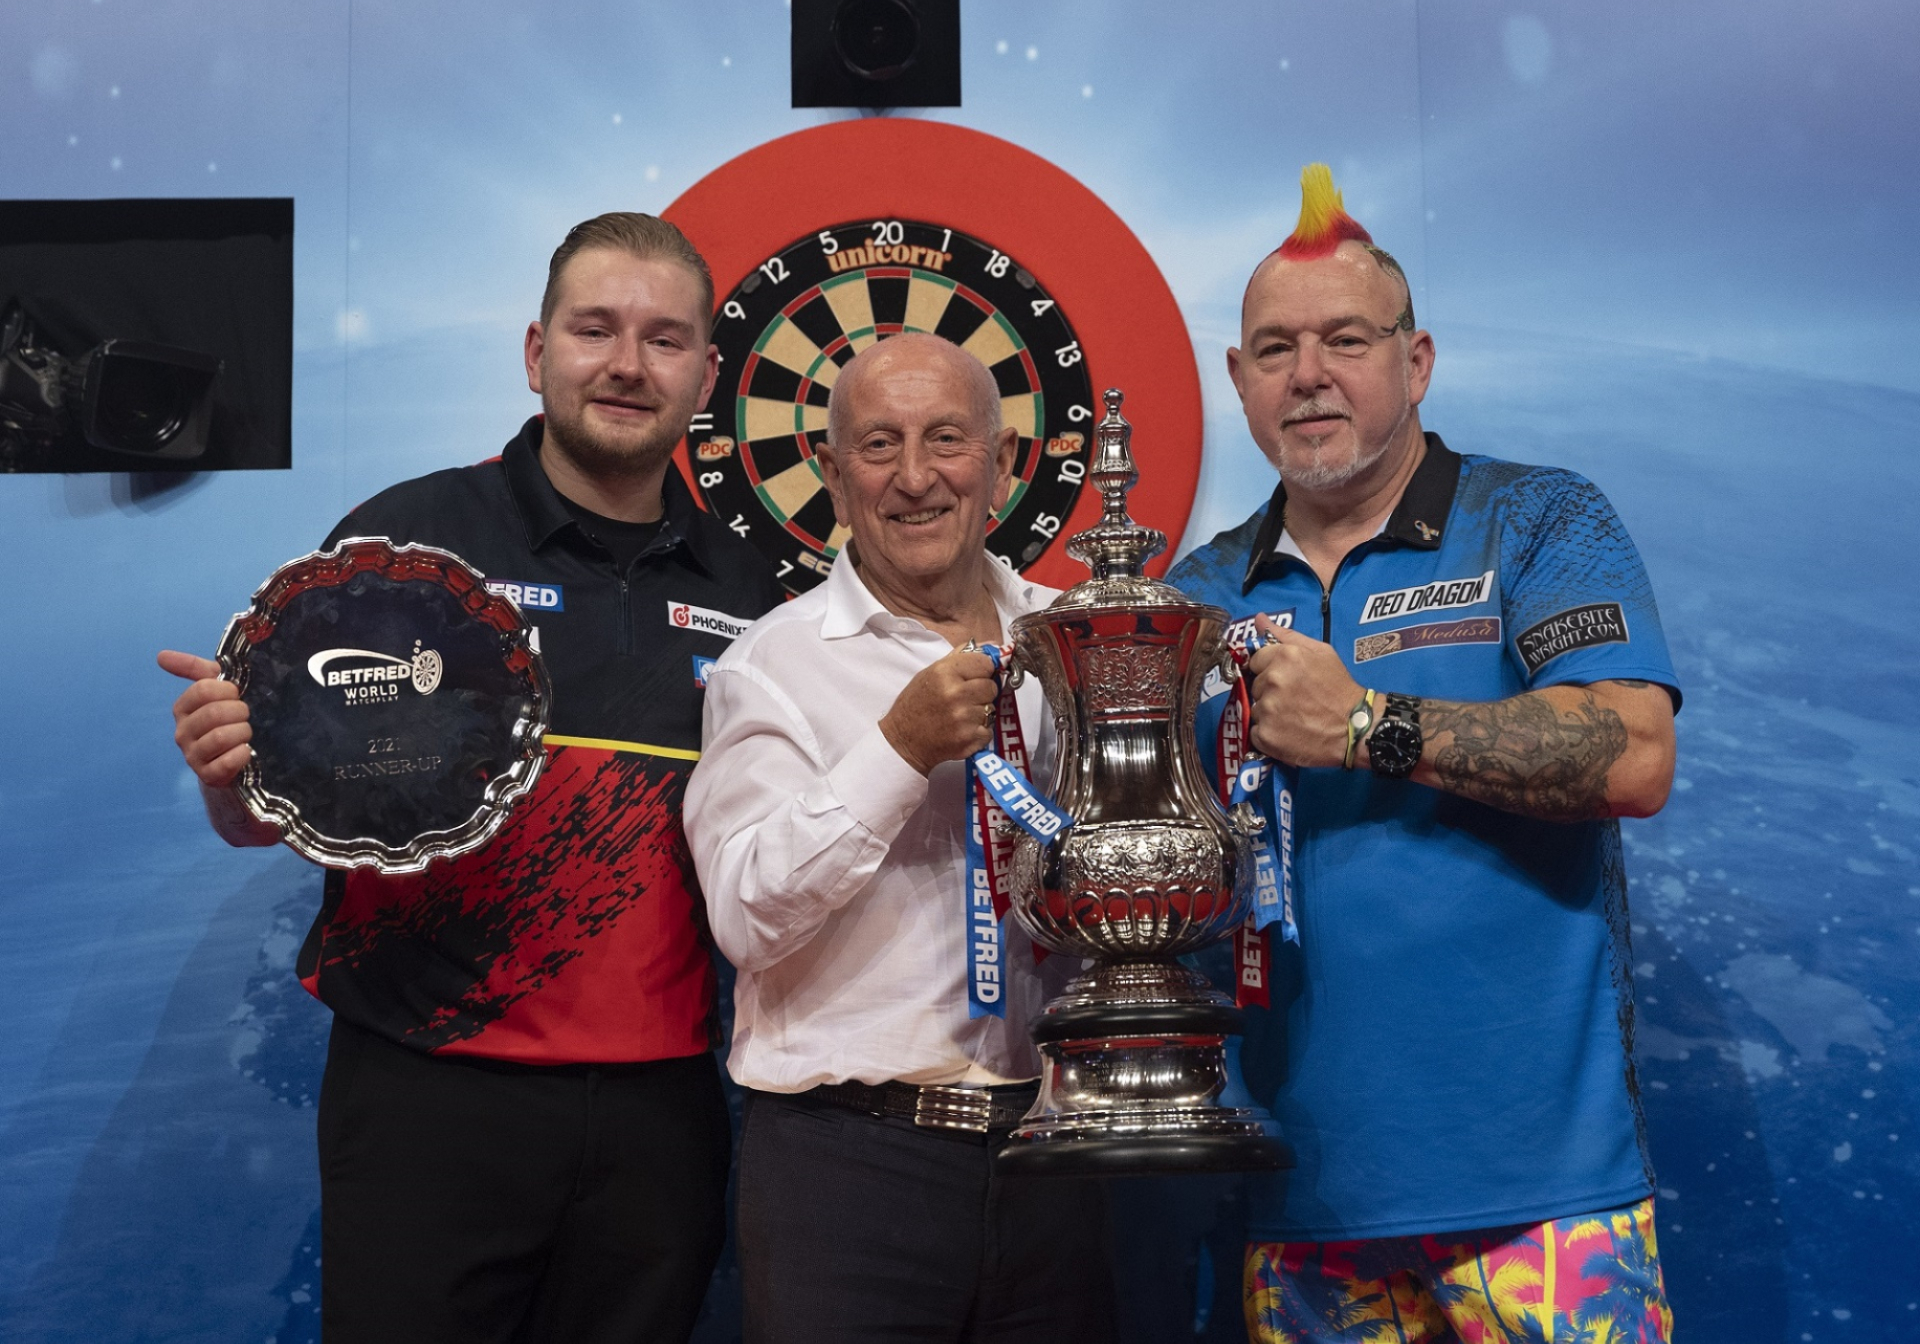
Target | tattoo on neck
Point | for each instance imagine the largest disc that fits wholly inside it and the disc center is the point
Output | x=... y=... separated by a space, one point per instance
x=1523 y=755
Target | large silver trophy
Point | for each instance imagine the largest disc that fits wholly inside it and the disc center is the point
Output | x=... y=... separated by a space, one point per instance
x=1135 y=1068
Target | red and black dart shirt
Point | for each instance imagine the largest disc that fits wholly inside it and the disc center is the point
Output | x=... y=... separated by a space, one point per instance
x=576 y=935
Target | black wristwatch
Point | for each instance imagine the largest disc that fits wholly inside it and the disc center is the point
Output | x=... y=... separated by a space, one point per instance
x=1394 y=748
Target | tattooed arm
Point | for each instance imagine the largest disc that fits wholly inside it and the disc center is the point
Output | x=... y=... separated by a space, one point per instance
x=1564 y=753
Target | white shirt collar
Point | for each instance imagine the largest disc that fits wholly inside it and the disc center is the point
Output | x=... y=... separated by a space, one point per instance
x=852 y=607
x=1288 y=546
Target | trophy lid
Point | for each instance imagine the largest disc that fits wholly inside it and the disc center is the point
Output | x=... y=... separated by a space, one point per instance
x=1116 y=548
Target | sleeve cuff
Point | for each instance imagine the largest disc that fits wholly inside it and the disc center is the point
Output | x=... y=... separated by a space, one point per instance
x=1586 y=676
x=876 y=786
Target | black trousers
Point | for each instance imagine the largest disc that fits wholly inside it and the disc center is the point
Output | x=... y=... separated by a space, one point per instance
x=468 y=1200
x=854 y=1227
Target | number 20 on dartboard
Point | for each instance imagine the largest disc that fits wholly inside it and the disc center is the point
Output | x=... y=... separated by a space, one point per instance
x=797 y=317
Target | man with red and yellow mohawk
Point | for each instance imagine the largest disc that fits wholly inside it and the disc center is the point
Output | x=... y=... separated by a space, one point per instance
x=1324 y=221
x=1462 y=677
x=1325 y=224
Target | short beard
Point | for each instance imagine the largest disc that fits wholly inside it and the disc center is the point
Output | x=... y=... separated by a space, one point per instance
x=1319 y=474
x=601 y=459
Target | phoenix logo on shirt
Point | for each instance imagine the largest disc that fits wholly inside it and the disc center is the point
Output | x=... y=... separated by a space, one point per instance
x=687 y=617
x=1427 y=597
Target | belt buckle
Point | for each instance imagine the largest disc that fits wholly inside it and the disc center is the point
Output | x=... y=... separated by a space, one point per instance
x=963 y=1108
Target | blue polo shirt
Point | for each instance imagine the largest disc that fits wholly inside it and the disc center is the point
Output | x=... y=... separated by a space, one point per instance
x=1450 y=1044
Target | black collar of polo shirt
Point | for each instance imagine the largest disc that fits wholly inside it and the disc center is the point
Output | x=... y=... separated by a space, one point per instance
x=545 y=514
x=1419 y=519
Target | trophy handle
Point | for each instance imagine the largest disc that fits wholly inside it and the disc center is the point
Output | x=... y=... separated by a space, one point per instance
x=1226 y=664
x=1244 y=819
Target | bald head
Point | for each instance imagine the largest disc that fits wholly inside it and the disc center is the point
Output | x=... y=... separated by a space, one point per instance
x=908 y=355
x=1401 y=293
x=916 y=461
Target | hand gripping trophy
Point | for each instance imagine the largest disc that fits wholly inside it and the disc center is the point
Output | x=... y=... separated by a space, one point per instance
x=1134 y=1064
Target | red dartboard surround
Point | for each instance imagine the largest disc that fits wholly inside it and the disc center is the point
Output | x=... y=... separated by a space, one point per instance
x=826 y=239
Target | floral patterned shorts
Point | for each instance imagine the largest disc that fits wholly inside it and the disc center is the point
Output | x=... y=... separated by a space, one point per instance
x=1587 y=1280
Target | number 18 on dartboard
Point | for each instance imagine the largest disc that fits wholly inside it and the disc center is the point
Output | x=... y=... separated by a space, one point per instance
x=795 y=320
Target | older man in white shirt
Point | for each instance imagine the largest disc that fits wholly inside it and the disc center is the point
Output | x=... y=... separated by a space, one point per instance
x=829 y=818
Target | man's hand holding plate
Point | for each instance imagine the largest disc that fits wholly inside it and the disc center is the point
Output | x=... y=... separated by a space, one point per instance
x=209 y=720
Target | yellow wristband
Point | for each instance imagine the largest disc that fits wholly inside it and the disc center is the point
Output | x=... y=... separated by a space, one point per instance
x=1359 y=719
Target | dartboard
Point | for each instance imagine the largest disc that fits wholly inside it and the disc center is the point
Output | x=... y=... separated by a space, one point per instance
x=827 y=240
x=787 y=329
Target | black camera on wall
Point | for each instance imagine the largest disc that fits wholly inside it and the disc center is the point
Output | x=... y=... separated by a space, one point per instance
x=138 y=398
x=146 y=335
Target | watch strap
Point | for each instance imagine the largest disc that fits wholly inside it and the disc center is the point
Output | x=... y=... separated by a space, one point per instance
x=1394 y=748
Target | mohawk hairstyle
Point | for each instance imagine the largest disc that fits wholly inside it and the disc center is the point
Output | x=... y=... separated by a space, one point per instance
x=1325 y=224
x=1324 y=221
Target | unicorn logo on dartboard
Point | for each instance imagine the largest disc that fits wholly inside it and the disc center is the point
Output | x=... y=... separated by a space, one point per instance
x=794 y=321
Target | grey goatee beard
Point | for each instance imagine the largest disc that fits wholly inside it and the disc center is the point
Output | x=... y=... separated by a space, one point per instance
x=1315 y=472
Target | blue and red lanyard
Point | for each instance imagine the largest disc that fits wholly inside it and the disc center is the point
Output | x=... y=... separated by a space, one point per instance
x=1244 y=776
x=997 y=780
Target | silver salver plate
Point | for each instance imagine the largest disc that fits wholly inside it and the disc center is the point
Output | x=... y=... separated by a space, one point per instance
x=398 y=707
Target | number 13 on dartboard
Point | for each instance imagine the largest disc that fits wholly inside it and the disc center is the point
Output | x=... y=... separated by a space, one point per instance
x=798 y=316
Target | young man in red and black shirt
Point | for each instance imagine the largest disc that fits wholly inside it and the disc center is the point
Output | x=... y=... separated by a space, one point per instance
x=522 y=1133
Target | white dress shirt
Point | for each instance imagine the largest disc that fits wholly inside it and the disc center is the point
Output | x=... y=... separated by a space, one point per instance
x=834 y=872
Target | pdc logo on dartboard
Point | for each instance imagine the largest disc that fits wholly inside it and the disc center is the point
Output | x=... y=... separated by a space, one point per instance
x=366 y=677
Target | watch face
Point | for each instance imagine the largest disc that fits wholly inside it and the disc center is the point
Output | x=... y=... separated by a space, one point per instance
x=1394 y=748
x=794 y=321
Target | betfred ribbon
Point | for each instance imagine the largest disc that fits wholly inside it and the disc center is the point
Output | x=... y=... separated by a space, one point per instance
x=997 y=780
x=1245 y=777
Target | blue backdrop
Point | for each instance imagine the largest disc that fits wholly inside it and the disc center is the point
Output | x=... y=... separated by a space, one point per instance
x=1669 y=246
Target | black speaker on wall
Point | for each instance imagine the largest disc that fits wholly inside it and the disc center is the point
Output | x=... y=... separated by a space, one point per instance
x=876 y=53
